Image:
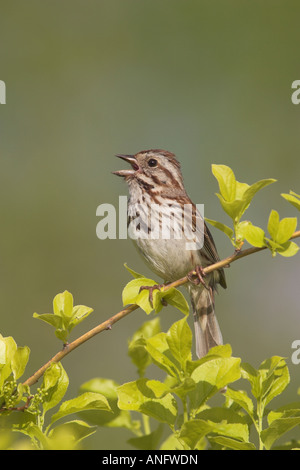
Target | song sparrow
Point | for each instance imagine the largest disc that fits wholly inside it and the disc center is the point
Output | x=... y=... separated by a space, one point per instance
x=156 y=188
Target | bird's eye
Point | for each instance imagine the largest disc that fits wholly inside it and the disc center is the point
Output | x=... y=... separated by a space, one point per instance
x=152 y=162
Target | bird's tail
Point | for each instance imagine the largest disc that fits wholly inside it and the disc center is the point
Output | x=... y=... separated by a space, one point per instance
x=207 y=330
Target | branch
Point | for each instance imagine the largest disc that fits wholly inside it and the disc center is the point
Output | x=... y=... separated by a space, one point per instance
x=226 y=261
x=126 y=311
x=18 y=408
x=82 y=339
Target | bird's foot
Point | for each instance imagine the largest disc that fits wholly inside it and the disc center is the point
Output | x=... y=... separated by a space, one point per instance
x=151 y=289
x=198 y=278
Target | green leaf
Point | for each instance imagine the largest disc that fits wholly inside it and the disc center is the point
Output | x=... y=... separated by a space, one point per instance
x=150 y=397
x=62 y=334
x=216 y=352
x=273 y=246
x=184 y=388
x=65 y=316
x=233 y=444
x=136 y=348
x=227 y=230
x=35 y=432
x=273 y=224
x=214 y=375
x=236 y=431
x=158 y=295
x=194 y=430
x=239 y=228
x=8 y=350
x=86 y=401
x=179 y=339
x=174 y=443
x=277 y=428
x=19 y=361
x=224 y=350
x=293 y=444
x=118 y=418
x=79 y=313
x=148 y=441
x=139 y=355
x=293 y=198
x=132 y=289
x=159 y=350
x=221 y=415
x=2 y=351
x=234 y=208
x=55 y=383
x=226 y=180
x=106 y=387
x=132 y=295
x=286 y=228
x=269 y=380
x=132 y=272
x=254 y=188
x=218 y=372
x=50 y=318
x=66 y=436
x=288 y=249
x=147 y=330
x=175 y=298
x=241 y=398
x=252 y=375
x=235 y=197
x=241 y=188
x=63 y=304
x=254 y=235
x=291 y=409
x=143 y=301
x=274 y=377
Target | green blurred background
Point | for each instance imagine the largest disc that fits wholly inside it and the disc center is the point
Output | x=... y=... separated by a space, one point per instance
x=208 y=80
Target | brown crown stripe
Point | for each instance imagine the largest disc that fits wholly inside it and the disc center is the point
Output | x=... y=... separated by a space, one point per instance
x=171 y=156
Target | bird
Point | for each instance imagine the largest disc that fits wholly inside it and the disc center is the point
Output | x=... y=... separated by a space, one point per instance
x=157 y=196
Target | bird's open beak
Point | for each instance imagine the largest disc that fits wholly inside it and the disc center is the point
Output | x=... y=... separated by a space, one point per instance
x=130 y=159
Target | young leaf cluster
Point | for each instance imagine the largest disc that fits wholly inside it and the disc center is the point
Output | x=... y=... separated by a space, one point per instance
x=293 y=198
x=133 y=294
x=13 y=361
x=68 y=434
x=33 y=421
x=65 y=315
x=235 y=198
x=181 y=401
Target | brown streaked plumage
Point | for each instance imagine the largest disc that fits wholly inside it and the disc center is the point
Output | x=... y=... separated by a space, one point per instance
x=156 y=187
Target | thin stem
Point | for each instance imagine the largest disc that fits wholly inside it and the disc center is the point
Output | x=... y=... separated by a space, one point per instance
x=260 y=412
x=185 y=410
x=106 y=325
x=146 y=423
